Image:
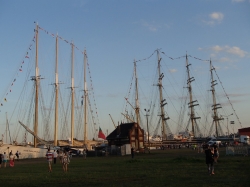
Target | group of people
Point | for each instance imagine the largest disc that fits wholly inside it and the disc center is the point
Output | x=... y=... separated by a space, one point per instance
x=63 y=156
x=212 y=155
x=4 y=159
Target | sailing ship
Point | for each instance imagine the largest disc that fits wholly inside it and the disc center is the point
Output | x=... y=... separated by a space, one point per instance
x=158 y=126
x=39 y=146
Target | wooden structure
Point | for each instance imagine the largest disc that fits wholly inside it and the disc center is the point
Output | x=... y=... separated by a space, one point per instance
x=127 y=133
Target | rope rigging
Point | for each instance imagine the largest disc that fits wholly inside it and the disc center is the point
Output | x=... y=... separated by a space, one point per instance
x=205 y=110
x=227 y=97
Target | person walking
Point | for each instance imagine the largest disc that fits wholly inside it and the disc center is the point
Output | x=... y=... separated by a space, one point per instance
x=5 y=158
x=55 y=156
x=60 y=155
x=216 y=152
x=49 y=156
x=65 y=161
x=132 y=152
x=84 y=153
x=12 y=160
x=209 y=159
x=17 y=155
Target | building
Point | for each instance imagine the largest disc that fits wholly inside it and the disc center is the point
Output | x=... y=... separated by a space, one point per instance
x=127 y=133
x=244 y=131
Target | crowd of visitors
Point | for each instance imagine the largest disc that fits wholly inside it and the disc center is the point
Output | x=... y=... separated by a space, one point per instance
x=11 y=157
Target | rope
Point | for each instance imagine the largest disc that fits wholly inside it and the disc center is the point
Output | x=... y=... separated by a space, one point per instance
x=227 y=97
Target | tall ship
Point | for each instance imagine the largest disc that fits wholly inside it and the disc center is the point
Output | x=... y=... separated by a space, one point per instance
x=52 y=108
x=169 y=108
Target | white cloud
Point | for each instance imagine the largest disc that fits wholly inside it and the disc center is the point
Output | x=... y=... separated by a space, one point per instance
x=236 y=51
x=217 y=48
x=227 y=49
x=214 y=18
x=173 y=70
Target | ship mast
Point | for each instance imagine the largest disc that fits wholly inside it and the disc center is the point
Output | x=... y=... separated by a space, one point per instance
x=6 y=129
x=56 y=96
x=36 y=79
x=137 y=107
x=72 y=94
x=85 y=101
x=162 y=104
x=215 y=106
x=191 y=103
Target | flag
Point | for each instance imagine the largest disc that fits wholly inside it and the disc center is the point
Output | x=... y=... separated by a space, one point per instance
x=101 y=135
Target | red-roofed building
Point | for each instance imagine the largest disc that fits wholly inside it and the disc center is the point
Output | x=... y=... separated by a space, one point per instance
x=244 y=131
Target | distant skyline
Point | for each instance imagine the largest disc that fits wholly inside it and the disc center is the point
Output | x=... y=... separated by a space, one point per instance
x=115 y=33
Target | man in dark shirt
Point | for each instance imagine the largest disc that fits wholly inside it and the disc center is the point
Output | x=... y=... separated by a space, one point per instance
x=209 y=160
x=216 y=152
x=132 y=152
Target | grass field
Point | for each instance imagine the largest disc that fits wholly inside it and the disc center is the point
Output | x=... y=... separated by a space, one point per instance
x=175 y=167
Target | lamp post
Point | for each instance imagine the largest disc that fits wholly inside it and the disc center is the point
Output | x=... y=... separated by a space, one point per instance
x=227 y=122
x=147 y=111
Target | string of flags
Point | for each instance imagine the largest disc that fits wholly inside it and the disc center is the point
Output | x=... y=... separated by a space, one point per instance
x=146 y=58
x=184 y=56
x=61 y=38
x=93 y=95
x=198 y=58
x=20 y=69
x=173 y=58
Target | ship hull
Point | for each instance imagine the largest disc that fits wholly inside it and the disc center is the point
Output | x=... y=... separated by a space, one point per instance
x=24 y=151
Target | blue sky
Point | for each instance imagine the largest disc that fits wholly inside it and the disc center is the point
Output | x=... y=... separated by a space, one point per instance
x=115 y=33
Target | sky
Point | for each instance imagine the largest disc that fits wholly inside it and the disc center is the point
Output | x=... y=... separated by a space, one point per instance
x=115 y=33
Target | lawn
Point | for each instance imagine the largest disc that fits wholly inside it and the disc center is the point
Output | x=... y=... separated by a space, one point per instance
x=172 y=167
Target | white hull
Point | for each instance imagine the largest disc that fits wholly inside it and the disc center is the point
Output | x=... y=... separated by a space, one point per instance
x=25 y=151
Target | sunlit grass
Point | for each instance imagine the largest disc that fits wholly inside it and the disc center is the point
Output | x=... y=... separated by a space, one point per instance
x=175 y=167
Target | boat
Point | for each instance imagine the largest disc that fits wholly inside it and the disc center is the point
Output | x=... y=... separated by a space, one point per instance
x=41 y=143
x=158 y=123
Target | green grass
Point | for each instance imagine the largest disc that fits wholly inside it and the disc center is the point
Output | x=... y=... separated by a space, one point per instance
x=175 y=167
